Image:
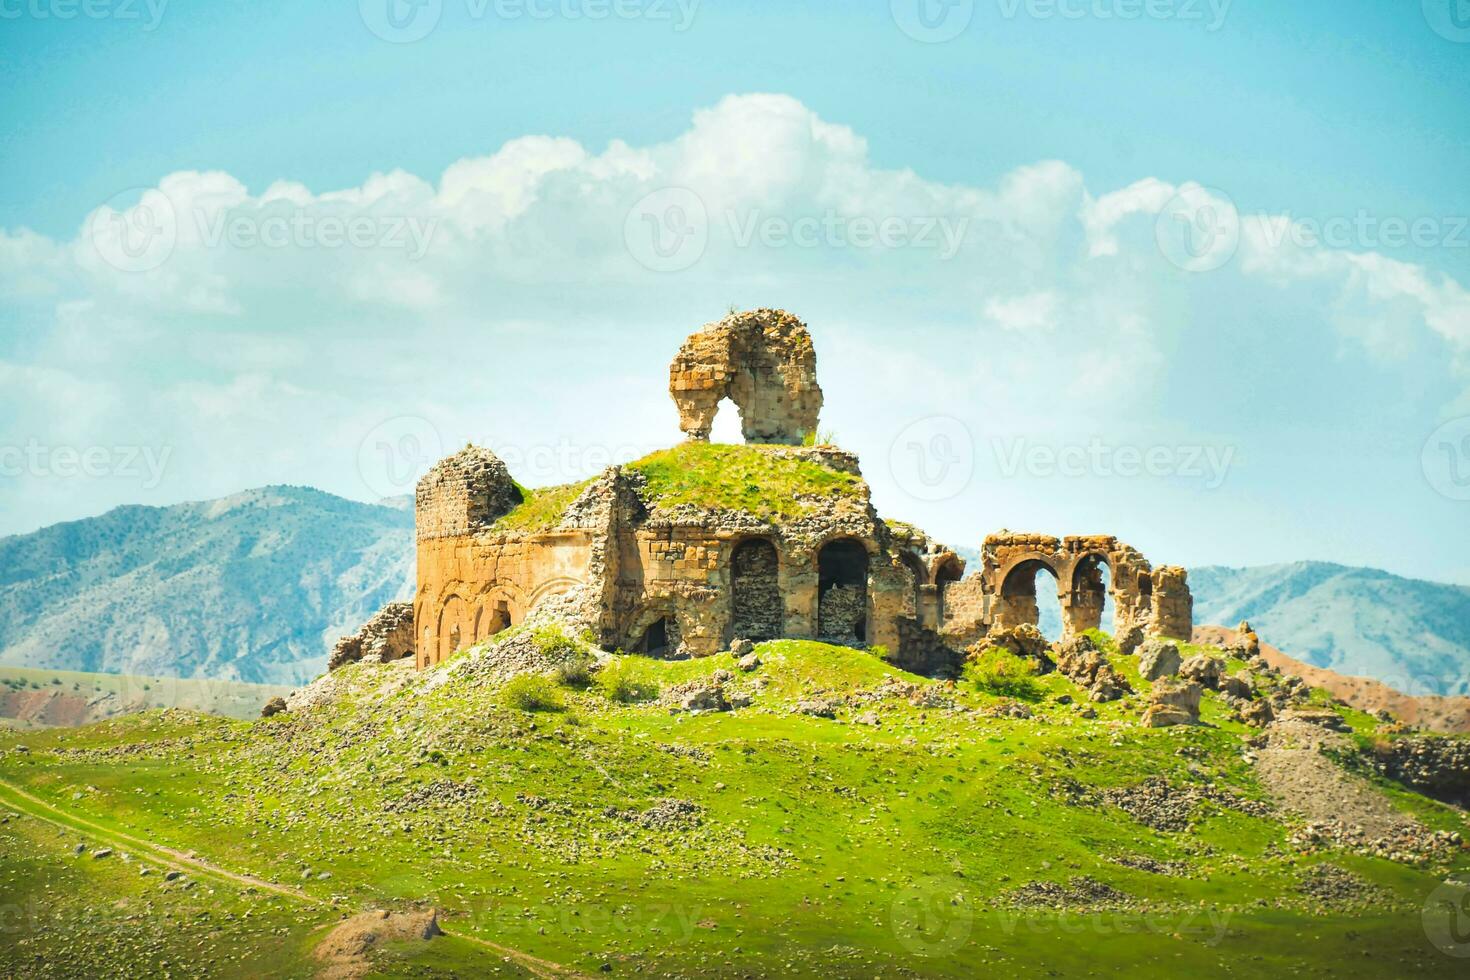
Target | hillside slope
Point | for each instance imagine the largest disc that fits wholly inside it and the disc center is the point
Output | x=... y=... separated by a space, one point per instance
x=848 y=821
x=248 y=587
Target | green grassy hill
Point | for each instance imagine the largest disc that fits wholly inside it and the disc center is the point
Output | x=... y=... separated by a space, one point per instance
x=919 y=832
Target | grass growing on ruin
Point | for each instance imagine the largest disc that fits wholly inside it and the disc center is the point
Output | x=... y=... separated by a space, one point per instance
x=541 y=509
x=761 y=481
x=762 y=841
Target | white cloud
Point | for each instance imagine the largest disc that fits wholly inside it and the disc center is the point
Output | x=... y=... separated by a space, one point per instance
x=493 y=296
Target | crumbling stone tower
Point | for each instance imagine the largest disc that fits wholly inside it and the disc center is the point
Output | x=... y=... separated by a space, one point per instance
x=764 y=362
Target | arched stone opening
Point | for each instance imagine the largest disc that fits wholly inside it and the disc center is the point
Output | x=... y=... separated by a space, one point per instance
x=656 y=639
x=842 y=591
x=1021 y=595
x=948 y=572
x=915 y=565
x=452 y=628
x=1088 y=597
x=757 y=606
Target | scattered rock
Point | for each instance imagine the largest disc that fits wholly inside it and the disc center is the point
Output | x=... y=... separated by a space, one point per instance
x=1158 y=658
x=1172 y=702
x=749 y=662
x=816 y=707
x=1203 y=669
x=742 y=648
x=272 y=707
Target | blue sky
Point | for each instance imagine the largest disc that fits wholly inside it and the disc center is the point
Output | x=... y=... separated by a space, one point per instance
x=1057 y=140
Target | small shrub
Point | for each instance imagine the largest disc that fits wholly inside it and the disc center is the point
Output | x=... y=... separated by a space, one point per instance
x=621 y=683
x=575 y=673
x=532 y=692
x=1000 y=672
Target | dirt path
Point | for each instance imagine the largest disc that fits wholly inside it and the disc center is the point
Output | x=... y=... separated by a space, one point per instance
x=38 y=809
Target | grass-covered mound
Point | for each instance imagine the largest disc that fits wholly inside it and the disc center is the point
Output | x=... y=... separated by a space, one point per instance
x=767 y=482
x=920 y=830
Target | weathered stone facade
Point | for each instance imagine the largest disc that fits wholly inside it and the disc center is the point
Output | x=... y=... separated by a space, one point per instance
x=1158 y=600
x=644 y=574
x=764 y=362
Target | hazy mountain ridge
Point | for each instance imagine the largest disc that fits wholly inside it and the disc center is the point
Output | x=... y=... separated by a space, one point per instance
x=1412 y=634
x=252 y=586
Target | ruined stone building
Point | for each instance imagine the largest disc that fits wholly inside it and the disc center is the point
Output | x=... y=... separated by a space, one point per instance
x=691 y=548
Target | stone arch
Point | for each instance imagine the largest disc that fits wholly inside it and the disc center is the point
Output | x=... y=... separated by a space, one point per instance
x=757 y=605
x=948 y=571
x=764 y=362
x=1018 y=602
x=455 y=627
x=655 y=623
x=552 y=587
x=916 y=568
x=1087 y=593
x=842 y=590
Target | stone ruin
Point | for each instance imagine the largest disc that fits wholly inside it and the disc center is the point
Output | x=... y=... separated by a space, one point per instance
x=633 y=574
x=764 y=362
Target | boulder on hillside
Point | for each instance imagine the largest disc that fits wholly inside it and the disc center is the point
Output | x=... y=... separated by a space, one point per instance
x=1172 y=702
x=1237 y=686
x=1204 y=669
x=1130 y=639
x=1024 y=641
x=1158 y=658
x=273 y=707
x=1084 y=664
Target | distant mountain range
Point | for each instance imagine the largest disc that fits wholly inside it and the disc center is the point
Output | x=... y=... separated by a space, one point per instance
x=256 y=586
x=251 y=587
x=1411 y=634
